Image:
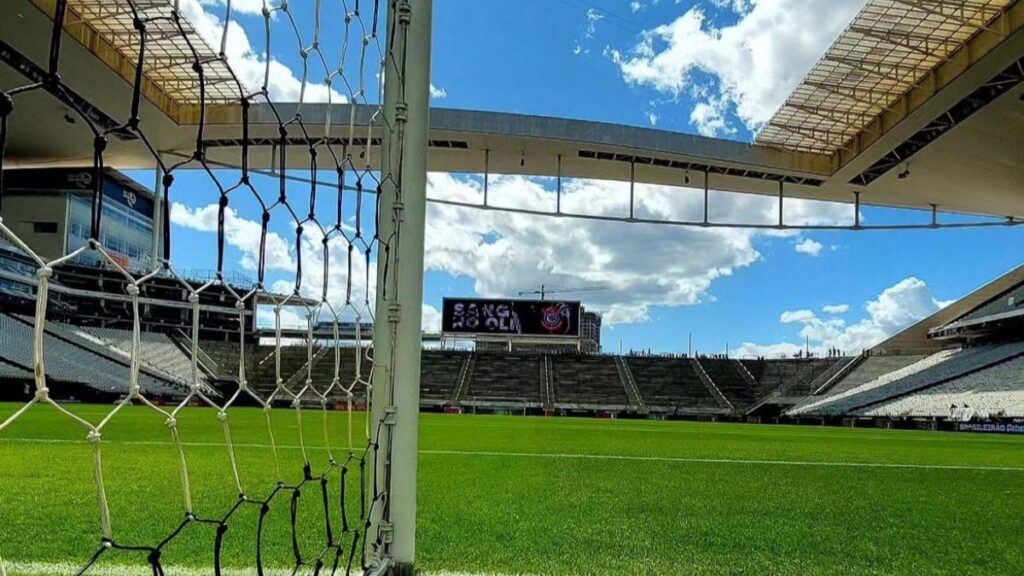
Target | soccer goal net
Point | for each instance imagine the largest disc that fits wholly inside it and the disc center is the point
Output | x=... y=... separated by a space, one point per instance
x=332 y=243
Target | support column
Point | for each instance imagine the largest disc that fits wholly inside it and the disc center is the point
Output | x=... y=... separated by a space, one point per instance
x=397 y=334
x=158 y=219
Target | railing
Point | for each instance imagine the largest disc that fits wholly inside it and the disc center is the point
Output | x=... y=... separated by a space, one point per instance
x=465 y=375
x=628 y=382
x=837 y=376
x=712 y=387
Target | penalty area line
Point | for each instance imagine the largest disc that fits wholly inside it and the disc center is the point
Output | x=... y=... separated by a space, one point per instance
x=565 y=455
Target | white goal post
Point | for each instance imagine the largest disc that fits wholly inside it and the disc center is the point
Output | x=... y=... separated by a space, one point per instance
x=397 y=330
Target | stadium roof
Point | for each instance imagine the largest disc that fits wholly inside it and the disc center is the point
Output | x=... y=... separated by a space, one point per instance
x=890 y=47
x=938 y=82
x=108 y=28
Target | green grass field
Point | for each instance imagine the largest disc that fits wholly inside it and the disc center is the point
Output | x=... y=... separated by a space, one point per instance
x=518 y=495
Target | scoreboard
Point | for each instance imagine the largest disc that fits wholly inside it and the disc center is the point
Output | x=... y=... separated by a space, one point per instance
x=509 y=317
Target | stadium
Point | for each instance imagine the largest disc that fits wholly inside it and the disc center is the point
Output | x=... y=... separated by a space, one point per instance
x=165 y=411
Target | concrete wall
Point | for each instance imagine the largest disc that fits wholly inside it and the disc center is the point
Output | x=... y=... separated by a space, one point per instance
x=22 y=212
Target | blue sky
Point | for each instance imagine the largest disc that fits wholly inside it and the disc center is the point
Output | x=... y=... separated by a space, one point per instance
x=716 y=67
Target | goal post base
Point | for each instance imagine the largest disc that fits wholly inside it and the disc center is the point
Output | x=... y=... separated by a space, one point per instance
x=401 y=570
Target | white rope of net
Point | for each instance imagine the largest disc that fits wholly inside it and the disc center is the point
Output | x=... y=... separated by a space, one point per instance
x=354 y=65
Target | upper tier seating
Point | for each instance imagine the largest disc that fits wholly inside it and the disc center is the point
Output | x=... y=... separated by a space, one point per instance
x=1011 y=301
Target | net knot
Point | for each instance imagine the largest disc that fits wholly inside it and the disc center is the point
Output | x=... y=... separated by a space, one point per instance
x=154 y=557
x=193 y=298
x=239 y=305
x=44 y=273
x=168 y=179
x=42 y=394
x=133 y=290
x=93 y=437
x=172 y=423
x=222 y=416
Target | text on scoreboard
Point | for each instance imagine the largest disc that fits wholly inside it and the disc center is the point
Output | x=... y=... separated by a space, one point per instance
x=510 y=317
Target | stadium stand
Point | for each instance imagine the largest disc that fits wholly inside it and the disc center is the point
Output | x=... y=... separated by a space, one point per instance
x=505 y=377
x=935 y=369
x=997 y=391
x=85 y=373
x=728 y=379
x=587 y=381
x=871 y=368
x=159 y=352
x=1011 y=301
x=670 y=383
x=791 y=377
x=439 y=375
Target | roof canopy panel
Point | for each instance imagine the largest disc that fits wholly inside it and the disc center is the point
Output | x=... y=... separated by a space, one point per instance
x=887 y=49
x=172 y=47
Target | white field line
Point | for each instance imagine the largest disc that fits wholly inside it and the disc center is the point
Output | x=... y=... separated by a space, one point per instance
x=55 y=568
x=556 y=455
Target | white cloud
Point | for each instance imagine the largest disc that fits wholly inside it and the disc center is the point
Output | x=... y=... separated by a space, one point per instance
x=709 y=119
x=239 y=6
x=755 y=62
x=240 y=233
x=593 y=17
x=737 y=6
x=896 y=308
x=437 y=93
x=809 y=247
x=503 y=252
x=244 y=234
x=249 y=63
x=431 y=319
x=835 y=308
x=652 y=118
x=792 y=316
x=644 y=265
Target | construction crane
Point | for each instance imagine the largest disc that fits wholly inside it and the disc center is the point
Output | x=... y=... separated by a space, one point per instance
x=544 y=290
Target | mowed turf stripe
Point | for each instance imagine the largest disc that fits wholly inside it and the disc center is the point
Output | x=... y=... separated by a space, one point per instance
x=51 y=568
x=557 y=455
x=684 y=459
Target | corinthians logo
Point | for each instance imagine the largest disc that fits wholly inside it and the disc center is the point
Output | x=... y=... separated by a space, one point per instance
x=555 y=318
